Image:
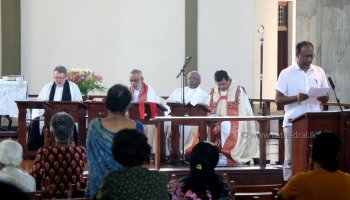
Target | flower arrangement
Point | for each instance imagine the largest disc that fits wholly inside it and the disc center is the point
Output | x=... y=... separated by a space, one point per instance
x=86 y=80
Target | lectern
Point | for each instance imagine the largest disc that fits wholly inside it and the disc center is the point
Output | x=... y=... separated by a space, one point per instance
x=306 y=125
x=96 y=109
x=135 y=110
x=177 y=109
x=150 y=110
x=22 y=123
x=75 y=108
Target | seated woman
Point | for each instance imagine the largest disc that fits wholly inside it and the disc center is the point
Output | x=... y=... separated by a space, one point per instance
x=323 y=180
x=130 y=148
x=60 y=166
x=11 y=155
x=203 y=182
x=100 y=136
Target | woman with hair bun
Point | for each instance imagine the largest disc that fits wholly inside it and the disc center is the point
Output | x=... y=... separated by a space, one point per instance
x=202 y=183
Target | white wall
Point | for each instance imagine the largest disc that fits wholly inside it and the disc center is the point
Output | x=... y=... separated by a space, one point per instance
x=225 y=41
x=114 y=36
x=266 y=13
x=111 y=37
x=0 y=44
x=228 y=39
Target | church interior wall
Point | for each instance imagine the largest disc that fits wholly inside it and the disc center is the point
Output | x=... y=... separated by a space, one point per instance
x=114 y=37
x=326 y=24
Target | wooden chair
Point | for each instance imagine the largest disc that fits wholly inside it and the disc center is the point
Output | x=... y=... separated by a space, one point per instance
x=265 y=192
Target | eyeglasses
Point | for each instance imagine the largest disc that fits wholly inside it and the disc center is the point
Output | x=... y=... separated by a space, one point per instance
x=309 y=56
x=58 y=77
x=134 y=80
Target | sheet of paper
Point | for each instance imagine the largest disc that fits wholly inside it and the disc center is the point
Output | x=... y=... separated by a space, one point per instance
x=313 y=93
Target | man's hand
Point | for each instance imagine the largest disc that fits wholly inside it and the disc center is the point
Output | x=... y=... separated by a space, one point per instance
x=323 y=99
x=302 y=97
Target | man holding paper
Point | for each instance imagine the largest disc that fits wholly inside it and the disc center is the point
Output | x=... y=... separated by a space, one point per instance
x=300 y=88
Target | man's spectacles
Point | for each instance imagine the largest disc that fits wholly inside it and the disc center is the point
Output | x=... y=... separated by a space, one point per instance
x=134 y=80
x=309 y=56
x=59 y=77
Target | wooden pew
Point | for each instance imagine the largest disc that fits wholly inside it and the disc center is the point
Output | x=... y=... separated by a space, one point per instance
x=242 y=192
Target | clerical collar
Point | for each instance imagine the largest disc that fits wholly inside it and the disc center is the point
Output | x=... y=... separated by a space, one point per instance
x=223 y=93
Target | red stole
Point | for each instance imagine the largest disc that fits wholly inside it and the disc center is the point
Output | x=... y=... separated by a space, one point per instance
x=232 y=110
x=142 y=98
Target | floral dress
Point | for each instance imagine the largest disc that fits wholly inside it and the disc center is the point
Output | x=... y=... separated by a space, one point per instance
x=175 y=190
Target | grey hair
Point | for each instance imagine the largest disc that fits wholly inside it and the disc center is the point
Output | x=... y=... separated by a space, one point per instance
x=136 y=71
x=195 y=73
x=62 y=125
x=11 y=153
x=61 y=69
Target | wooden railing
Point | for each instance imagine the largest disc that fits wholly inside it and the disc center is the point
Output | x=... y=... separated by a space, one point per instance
x=210 y=121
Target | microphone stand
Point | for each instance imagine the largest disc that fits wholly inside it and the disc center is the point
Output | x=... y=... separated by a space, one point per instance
x=345 y=124
x=182 y=159
x=262 y=105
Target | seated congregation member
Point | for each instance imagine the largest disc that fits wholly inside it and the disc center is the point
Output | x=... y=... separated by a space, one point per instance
x=11 y=156
x=203 y=182
x=130 y=149
x=237 y=140
x=58 y=166
x=58 y=90
x=100 y=136
x=324 y=180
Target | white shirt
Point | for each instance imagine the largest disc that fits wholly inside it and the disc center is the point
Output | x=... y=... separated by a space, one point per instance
x=151 y=95
x=45 y=95
x=193 y=96
x=293 y=81
x=74 y=91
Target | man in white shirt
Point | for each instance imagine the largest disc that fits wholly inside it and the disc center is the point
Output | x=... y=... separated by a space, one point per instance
x=292 y=85
x=193 y=95
x=58 y=90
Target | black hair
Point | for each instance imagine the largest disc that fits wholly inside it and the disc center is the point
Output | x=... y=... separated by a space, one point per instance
x=130 y=148
x=301 y=45
x=204 y=158
x=325 y=150
x=118 y=98
x=220 y=75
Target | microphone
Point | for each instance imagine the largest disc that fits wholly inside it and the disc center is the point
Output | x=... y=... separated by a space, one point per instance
x=187 y=60
x=331 y=82
x=336 y=97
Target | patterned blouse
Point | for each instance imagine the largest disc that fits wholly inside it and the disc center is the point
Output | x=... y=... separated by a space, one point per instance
x=56 y=167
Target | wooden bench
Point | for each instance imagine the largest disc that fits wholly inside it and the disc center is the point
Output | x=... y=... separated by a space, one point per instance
x=242 y=192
